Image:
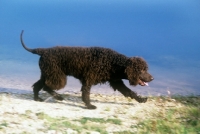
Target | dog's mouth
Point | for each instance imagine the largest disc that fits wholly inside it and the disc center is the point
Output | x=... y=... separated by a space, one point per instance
x=142 y=83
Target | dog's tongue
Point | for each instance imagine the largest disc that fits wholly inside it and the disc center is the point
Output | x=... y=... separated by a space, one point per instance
x=146 y=84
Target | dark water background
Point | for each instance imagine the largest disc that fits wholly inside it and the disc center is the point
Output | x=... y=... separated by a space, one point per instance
x=165 y=33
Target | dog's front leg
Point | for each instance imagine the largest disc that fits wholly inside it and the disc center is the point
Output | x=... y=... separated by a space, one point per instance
x=86 y=96
x=121 y=87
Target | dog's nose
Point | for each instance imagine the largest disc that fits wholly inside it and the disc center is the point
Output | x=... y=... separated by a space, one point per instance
x=152 y=78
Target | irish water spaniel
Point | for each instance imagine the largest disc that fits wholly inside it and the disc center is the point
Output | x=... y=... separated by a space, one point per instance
x=91 y=65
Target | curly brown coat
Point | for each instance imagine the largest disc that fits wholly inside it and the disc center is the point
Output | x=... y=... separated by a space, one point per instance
x=91 y=65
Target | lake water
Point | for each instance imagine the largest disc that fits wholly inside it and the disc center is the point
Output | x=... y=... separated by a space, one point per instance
x=166 y=34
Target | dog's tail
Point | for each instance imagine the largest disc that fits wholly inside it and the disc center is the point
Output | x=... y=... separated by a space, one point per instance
x=34 y=51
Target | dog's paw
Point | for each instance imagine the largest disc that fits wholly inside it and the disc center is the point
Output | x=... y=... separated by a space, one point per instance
x=38 y=99
x=58 y=97
x=91 y=106
x=141 y=100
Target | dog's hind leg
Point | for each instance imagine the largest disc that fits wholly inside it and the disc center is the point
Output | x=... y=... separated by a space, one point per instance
x=121 y=87
x=86 y=96
x=36 y=88
x=53 y=93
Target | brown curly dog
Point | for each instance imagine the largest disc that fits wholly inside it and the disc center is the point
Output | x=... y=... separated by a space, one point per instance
x=91 y=66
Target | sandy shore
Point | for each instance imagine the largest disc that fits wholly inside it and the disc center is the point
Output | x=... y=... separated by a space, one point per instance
x=20 y=114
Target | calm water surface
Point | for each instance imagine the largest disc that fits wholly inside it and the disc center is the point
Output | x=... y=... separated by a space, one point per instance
x=166 y=34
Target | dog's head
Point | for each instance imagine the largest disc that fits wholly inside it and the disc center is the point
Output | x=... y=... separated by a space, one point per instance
x=136 y=71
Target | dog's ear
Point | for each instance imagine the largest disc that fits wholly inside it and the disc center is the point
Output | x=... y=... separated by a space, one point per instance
x=134 y=67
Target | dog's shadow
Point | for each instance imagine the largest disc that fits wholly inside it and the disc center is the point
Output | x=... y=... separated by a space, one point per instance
x=71 y=99
x=76 y=100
